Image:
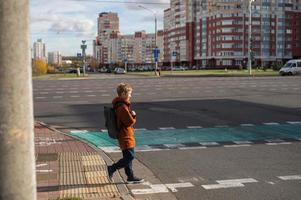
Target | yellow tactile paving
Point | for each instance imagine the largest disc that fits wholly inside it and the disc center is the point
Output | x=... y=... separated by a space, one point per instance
x=84 y=175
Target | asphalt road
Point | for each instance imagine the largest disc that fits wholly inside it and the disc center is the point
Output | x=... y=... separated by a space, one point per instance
x=256 y=171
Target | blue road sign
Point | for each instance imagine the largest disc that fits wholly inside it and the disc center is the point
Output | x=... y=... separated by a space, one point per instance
x=156 y=53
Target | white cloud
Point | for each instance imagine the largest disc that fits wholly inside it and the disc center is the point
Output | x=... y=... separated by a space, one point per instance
x=79 y=27
x=74 y=20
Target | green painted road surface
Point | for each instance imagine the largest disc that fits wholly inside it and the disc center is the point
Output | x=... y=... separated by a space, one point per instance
x=198 y=135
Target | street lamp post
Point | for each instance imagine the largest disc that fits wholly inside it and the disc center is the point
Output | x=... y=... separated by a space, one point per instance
x=250 y=37
x=84 y=47
x=156 y=50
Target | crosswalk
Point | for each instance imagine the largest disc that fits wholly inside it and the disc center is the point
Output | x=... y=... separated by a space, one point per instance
x=169 y=138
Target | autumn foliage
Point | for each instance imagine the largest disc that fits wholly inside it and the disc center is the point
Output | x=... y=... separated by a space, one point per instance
x=39 y=67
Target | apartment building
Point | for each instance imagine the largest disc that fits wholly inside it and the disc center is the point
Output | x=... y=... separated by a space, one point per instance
x=39 y=50
x=111 y=47
x=217 y=31
x=55 y=58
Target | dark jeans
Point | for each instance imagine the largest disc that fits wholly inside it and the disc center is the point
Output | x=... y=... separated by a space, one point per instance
x=126 y=162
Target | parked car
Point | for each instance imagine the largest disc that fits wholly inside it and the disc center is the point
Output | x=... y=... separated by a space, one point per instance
x=292 y=67
x=103 y=70
x=119 y=71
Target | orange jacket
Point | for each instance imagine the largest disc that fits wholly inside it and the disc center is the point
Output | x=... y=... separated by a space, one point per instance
x=126 y=137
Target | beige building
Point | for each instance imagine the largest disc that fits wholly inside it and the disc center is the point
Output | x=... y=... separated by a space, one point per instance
x=55 y=58
x=111 y=47
x=108 y=22
x=39 y=50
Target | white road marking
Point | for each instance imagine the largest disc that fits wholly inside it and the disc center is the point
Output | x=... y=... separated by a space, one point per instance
x=78 y=131
x=110 y=149
x=74 y=96
x=45 y=141
x=60 y=92
x=280 y=143
x=191 y=148
x=57 y=97
x=231 y=183
x=247 y=125
x=151 y=150
x=166 y=128
x=243 y=142
x=43 y=170
x=291 y=177
x=41 y=165
x=238 y=145
x=158 y=188
x=91 y=95
x=161 y=188
x=103 y=130
x=209 y=143
x=173 y=187
x=40 y=97
x=140 y=129
x=105 y=95
x=44 y=92
x=73 y=92
x=271 y=123
x=192 y=127
x=88 y=91
x=290 y=122
x=172 y=146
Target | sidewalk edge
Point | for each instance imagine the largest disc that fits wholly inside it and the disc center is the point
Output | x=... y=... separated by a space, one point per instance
x=124 y=191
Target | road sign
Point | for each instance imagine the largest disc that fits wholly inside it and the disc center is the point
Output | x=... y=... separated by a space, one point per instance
x=174 y=55
x=156 y=53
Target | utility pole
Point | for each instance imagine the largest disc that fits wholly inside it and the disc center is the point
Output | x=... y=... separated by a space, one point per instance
x=250 y=37
x=17 y=168
x=155 y=51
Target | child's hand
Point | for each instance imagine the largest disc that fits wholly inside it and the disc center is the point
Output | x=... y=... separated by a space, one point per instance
x=133 y=113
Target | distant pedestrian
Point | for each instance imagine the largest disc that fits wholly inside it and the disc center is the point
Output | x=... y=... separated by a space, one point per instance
x=126 y=119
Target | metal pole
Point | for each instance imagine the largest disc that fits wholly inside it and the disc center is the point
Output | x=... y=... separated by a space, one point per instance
x=17 y=168
x=250 y=37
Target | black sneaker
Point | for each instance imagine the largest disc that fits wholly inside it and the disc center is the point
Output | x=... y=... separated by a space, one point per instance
x=110 y=172
x=135 y=180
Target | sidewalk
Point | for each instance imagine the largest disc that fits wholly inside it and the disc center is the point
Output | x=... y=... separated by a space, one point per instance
x=67 y=167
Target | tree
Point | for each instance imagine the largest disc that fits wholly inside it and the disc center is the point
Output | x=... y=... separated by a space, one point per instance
x=93 y=64
x=39 y=67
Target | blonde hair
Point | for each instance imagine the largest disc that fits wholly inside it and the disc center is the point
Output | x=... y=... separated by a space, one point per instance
x=123 y=88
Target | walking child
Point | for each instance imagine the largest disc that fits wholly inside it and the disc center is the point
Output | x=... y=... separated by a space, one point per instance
x=126 y=118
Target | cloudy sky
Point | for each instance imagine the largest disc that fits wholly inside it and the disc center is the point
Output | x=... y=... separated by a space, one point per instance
x=63 y=24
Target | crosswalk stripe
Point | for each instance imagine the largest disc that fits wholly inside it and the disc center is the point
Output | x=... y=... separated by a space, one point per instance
x=166 y=128
x=290 y=122
x=271 y=123
x=291 y=177
x=247 y=125
x=192 y=127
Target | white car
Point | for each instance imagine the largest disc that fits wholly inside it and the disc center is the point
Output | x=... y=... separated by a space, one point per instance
x=120 y=71
x=292 y=67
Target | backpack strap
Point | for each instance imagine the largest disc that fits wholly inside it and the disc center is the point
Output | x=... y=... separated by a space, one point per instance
x=118 y=104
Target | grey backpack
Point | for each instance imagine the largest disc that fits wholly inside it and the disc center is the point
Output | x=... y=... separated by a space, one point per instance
x=111 y=121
